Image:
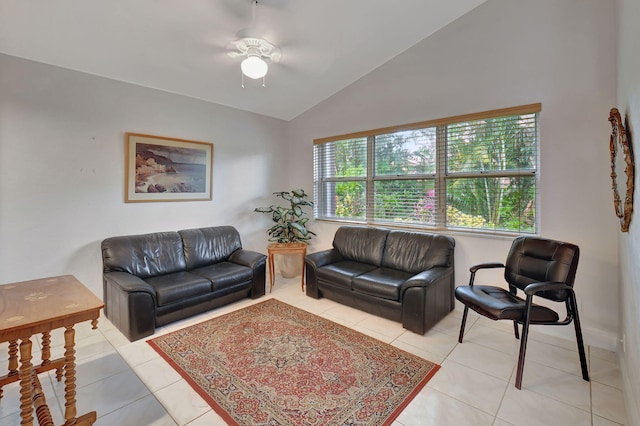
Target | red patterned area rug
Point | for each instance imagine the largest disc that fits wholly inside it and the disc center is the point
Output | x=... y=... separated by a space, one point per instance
x=274 y=364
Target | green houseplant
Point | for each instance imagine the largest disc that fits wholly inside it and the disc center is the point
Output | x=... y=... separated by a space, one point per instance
x=290 y=226
x=290 y=220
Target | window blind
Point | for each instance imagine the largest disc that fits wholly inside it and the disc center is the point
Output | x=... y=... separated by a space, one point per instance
x=476 y=172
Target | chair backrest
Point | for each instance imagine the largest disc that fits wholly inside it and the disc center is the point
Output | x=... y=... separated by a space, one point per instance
x=534 y=259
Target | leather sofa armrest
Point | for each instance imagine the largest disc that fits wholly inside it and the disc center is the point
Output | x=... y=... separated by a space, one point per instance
x=130 y=304
x=248 y=258
x=129 y=283
x=426 y=278
x=426 y=298
x=314 y=261
x=257 y=262
x=322 y=258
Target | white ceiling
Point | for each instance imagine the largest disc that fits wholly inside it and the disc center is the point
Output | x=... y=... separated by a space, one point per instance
x=180 y=46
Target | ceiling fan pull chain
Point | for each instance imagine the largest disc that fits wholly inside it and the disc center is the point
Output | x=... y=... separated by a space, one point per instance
x=263 y=79
x=242 y=79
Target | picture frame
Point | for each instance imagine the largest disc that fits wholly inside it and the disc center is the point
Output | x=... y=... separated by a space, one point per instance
x=160 y=169
x=622 y=169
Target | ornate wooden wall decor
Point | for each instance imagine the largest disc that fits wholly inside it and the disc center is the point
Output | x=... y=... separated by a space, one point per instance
x=620 y=137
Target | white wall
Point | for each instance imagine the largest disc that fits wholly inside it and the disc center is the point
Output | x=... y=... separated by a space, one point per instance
x=629 y=106
x=507 y=53
x=62 y=139
x=62 y=145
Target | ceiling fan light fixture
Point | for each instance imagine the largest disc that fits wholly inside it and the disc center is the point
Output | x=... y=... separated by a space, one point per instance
x=253 y=66
x=255 y=50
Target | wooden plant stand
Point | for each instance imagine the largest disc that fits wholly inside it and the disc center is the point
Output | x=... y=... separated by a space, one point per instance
x=284 y=248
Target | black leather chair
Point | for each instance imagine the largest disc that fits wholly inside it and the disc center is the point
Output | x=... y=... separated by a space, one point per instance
x=538 y=267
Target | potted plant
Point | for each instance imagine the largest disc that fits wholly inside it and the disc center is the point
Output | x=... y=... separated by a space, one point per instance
x=290 y=224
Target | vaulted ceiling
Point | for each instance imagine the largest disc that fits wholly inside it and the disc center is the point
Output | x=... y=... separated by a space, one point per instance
x=180 y=46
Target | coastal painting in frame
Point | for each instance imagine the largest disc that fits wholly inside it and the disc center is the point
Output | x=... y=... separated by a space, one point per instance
x=167 y=169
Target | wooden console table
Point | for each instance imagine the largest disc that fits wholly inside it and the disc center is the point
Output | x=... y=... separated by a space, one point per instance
x=285 y=248
x=37 y=307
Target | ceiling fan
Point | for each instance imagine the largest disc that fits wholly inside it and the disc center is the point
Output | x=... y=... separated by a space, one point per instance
x=255 y=50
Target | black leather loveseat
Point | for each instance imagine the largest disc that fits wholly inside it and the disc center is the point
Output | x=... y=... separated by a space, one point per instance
x=400 y=275
x=152 y=279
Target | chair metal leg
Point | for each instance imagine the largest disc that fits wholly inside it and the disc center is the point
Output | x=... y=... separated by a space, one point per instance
x=515 y=329
x=576 y=323
x=464 y=321
x=523 y=344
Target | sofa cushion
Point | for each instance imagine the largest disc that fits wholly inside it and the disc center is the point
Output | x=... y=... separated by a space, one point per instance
x=204 y=246
x=384 y=283
x=224 y=274
x=341 y=273
x=144 y=256
x=178 y=286
x=417 y=251
x=360 y=243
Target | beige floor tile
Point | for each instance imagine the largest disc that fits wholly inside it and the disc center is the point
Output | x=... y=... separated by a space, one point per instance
x=608 y=402
x=527 y=408
x=210 y=418
x=493 y=338
x=605 y=372
x=107 y=395
x=386 y=327
x=500 y=422
x=451 y=325
x=137 y=353
x=146 y=411
x=315 y=306
x=372 y=333
x=345 y=313
x=557 y=384
x=88 y=347
x=470 y=386
x=115 y=337
x=484 y=359
x=536 y=332
x=434 y=342
x=554 y=356
x=600 y=353
x=600 y=421
x=156 y=374
x=431 y=407
x=184 y=404
x=421 y=352
x=10 y=403
x=503 y=325
x=98 y=367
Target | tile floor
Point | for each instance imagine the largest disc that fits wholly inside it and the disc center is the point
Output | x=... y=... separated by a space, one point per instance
x=129 y=384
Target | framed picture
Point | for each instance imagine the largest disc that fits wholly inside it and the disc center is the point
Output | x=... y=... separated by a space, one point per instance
x=167 y=169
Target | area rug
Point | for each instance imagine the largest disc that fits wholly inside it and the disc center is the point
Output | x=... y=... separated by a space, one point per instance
x=274 y=364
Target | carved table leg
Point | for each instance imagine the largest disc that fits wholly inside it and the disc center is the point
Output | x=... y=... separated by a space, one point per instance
x=46 y=348
x=26 y=409
x=40 y=403
x=13 y=361
x=69 y=377
x=13 y=357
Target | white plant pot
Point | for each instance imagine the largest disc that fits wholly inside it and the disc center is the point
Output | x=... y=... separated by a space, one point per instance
x=290 y=265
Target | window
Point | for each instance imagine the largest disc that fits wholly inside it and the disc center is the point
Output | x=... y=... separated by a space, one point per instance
x=475 y=172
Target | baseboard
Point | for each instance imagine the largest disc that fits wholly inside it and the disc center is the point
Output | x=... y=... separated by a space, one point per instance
x=600 y=338
x=630 y=400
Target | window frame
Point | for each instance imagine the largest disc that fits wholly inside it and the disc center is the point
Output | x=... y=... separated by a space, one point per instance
x=440 y=176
